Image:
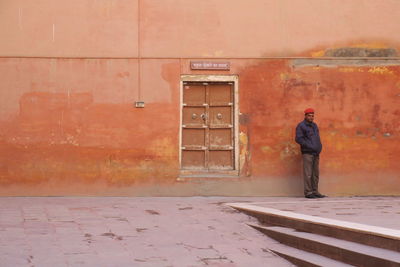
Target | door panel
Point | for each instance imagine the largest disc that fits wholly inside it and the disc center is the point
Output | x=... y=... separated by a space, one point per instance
x=194 y=94
x=220 y=137
x=207 y=127
x=193 y=159
x=220 y=116
x=221 y=160
x=193 y=137
x=194 y=116
x=221 y=93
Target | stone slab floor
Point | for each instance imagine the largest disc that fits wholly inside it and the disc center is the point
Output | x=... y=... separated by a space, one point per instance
x=124 y=231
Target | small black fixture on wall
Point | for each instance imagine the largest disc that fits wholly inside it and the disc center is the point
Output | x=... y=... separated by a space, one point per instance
x=139 y=104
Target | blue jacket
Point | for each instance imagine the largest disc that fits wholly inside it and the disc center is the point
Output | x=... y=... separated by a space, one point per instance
x=307 y=135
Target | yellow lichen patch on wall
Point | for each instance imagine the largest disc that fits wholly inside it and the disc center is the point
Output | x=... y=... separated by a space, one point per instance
x=318 y=53
x=284 y=76
x=350 y=69
x=370 y=45
x=163 y=147
x=380 y=70
x=267 y=149
x=289 y=150
x=243 y=149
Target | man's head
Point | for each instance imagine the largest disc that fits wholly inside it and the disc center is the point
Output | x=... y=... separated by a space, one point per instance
x=309 y=115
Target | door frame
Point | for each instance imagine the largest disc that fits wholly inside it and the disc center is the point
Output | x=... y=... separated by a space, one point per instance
x=213 y=78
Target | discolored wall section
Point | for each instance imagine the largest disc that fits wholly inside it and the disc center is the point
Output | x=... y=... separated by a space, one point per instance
x=72 y=124
x=357 y=110
x=71 y=72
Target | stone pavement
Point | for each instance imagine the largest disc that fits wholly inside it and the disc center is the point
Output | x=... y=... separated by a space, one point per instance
x=113 y=231
x=180 y=231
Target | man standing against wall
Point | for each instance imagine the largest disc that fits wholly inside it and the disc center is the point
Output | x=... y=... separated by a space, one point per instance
x=307 y=135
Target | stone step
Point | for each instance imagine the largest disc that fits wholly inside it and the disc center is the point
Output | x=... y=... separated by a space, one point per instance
x=305 y=259
x=374 y=236
x=344 y=251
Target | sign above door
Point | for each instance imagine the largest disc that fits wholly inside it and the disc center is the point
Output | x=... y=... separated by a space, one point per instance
x=210 y=65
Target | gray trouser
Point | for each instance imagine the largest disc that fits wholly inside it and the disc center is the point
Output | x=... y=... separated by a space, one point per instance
x=310 y=173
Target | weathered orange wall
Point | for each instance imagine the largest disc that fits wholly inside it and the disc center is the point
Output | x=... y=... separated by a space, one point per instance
x=72 y=122
x=357 y=109
x=191 y=28
x=72 y=70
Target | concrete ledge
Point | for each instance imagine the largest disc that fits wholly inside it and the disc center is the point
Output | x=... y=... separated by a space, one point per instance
x=335 y=62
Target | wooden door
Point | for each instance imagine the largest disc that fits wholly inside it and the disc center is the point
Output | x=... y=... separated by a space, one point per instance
x=207 y=126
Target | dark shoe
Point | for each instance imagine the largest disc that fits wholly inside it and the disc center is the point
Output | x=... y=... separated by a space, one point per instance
x=311 y=196
x=318 y=195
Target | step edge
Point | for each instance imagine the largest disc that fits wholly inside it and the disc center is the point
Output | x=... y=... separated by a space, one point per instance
x=304 y=256
x=393 y=255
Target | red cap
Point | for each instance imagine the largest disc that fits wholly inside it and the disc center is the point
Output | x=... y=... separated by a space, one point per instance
x=309 y=110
